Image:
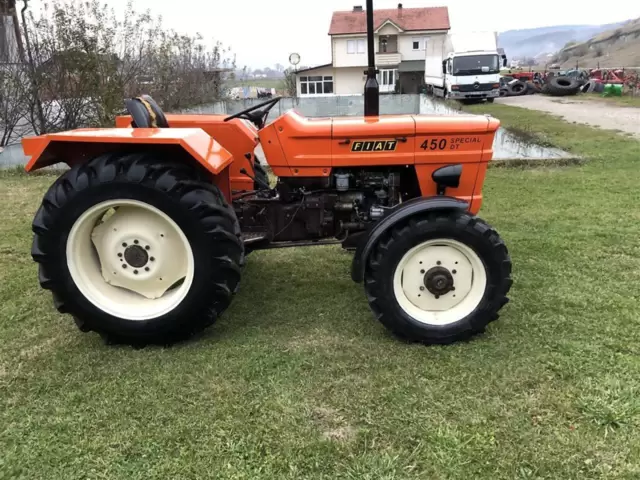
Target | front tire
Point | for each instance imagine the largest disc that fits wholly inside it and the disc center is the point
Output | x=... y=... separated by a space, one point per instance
x=137 y=249
x=439 y=278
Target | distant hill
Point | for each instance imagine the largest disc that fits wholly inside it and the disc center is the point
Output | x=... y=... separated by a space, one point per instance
x=616 y=47
x=536 y=42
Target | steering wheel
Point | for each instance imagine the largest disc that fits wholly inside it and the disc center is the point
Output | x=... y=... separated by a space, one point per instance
x=256 y=114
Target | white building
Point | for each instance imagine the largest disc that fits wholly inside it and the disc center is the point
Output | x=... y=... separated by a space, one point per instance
x=400 y=38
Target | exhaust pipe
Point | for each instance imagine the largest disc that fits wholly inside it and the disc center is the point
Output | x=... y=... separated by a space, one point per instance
x=371 y=87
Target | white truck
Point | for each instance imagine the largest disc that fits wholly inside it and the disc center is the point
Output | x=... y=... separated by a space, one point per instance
x=464 y=66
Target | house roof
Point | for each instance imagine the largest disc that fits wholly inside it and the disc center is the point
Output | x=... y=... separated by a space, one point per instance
x=430 y=18
x=308 y=69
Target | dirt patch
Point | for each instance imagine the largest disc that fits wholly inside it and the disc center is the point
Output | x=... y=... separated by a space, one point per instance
x=334 y=427
x=597 y=114
x=35 y=351
x=317 y=339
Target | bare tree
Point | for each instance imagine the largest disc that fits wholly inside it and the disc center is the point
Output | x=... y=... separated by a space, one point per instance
x=84 y=58
x=13 y=122
x=290 y=84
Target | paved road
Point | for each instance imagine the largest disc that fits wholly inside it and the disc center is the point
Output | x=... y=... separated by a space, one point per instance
x=590 y=112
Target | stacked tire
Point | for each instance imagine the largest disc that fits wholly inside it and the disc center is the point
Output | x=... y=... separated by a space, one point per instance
x=561 y=86
x=592 y=86
x=516 y=88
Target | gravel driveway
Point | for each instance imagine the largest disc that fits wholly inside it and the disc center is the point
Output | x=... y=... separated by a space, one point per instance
x=590 y=112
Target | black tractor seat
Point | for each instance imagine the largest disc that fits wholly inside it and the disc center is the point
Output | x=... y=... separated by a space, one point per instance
x=146 y=113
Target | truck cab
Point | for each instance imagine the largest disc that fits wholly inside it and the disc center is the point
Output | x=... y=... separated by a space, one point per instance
x=472 y=75
x=464 y=66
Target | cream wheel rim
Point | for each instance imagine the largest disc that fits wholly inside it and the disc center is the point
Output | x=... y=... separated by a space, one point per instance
x=130 y=259
x=440 y=282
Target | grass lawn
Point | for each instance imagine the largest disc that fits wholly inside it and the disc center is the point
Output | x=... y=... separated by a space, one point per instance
x=298 y=380
x=625 y=100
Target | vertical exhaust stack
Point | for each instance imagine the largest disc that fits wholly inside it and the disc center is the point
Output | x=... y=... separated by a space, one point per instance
x=371 y=87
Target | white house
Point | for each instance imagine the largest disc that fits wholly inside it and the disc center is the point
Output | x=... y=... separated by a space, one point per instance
x=400 y=38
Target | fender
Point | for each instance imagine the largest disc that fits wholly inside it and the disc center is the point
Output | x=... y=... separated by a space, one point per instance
x=399 y=213
x=79 y=145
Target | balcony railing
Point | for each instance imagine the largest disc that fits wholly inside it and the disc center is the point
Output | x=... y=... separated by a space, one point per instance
x=388 y=58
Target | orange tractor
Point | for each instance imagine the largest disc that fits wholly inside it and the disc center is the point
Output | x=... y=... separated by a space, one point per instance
x=144 y=238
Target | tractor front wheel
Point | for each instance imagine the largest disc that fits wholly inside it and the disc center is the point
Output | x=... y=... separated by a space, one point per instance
x=439 y=278
x=137 y=249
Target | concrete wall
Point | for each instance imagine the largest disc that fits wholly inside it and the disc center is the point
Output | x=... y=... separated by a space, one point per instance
x=332 y=106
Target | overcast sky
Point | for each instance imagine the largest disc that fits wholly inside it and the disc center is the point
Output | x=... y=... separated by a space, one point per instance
x=265 y=32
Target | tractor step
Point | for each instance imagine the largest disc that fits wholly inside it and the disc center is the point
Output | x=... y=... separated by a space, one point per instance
x=249 y=238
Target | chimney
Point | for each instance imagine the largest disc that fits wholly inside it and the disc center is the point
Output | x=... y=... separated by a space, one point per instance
x=357 y=8
x=399 y=6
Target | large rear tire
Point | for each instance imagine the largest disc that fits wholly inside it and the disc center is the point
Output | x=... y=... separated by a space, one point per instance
x=561 y=86
x=137 y=249
x=439 y=278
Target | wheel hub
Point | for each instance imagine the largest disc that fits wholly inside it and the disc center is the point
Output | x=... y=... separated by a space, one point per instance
x=438 y=281
x=136 y=256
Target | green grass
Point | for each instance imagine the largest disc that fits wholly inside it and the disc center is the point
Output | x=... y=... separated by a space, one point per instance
x=625 y=100
x=298 y=380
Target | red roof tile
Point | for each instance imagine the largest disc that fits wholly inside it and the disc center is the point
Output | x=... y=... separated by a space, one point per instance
x=431 y=18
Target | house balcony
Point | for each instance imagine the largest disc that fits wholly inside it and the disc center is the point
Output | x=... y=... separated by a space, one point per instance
x=388 y=58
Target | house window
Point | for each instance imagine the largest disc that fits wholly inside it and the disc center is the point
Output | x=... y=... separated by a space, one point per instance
x=387 y=77
x=356 y=46
x=419 y=43
x=317 y=85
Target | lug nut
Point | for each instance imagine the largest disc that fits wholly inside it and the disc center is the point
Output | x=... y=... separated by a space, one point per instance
x=153 y=259
x=120 y=255
x=437 y=297
x=124 y=244
x=421 y=271
x=454 y=271
x=146 y=269
x=438 y=262
x=147 y=247
x=422 y=289
x=136 y=242
x=135 y=272
x=124 y=265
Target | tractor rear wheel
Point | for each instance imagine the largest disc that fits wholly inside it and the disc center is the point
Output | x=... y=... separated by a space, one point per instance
x=137 y=249
x=439 y=278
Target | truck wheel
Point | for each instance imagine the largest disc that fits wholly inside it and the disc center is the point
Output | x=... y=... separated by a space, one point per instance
x=439 y=278
x=137 y=249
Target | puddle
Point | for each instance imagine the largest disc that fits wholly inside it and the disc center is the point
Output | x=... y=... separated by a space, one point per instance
x=507 y=145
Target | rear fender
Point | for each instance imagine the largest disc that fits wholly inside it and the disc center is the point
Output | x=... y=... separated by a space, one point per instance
x=398 y=214
x=77 y=146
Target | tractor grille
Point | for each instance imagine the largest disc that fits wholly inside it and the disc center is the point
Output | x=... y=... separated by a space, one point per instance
x=482 y=87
